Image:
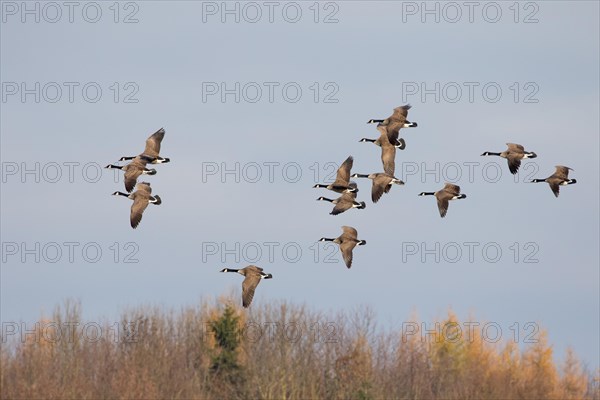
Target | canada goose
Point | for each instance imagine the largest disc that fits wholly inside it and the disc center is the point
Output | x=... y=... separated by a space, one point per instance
x=392 y=137
x=347 y=241
x=443 y=196
x=392 y=126
x=345 y=202
x=388 y=151
x=342 y=179
x=399 y=144
x=558 y=179
x=382 y=183
x=253 y=275
x=514 y=154
x=141 y=198
x=152 y=149
x=133 y=170
x=399 y=115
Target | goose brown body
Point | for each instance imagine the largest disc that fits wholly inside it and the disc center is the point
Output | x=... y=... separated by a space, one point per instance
x=342 y=179
x=382 y=183
x=133 y=170
x=444 y=195
x=252 y=277
x=141 y=198
x=513 y=154
x=347 y=241
x=559 y=178
x=152 y=148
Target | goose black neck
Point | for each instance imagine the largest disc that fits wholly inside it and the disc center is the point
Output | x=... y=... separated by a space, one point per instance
x=489 y=153
x=428 y=193
x=376 y=121
x=361 y=176
x=538 y=181
x=368 y=140
x=327 y=240
x=319 y=185
x=121 y=194
x=325 y=199
x=114 y=166
x=231 y=270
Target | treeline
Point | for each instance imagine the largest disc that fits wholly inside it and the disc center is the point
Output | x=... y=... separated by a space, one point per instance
x=276 y=351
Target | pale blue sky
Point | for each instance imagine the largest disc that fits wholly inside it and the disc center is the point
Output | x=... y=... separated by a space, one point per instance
x=370 y=55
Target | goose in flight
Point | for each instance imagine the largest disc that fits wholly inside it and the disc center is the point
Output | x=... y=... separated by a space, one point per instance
x=133 y=170
x=514 y=154
x=382 y=183
x=392 y=126
x=252 y=277
x=347 y=241
x=152 y=150
x=559 y=178
x=342 y=180
x=345 y=202
x=141 y=198
x=444 y=195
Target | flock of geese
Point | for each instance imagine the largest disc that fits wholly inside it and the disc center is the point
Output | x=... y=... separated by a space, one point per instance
x=382 y=182
x=515 y=153
x=137 y=167
x=388 y=140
